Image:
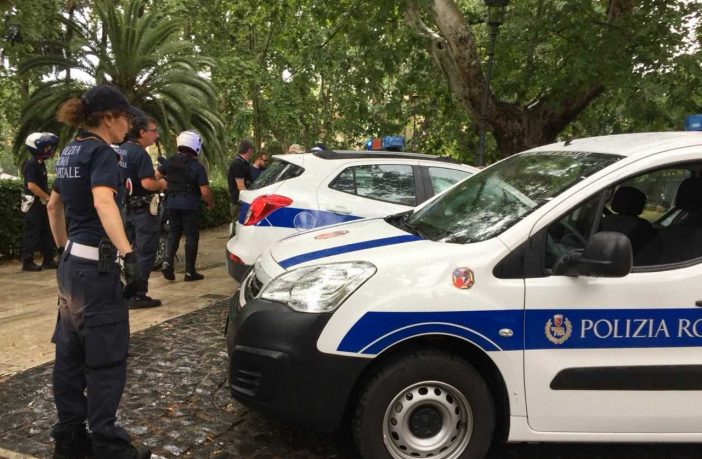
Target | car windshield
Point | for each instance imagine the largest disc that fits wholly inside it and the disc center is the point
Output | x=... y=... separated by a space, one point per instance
x=488 y=203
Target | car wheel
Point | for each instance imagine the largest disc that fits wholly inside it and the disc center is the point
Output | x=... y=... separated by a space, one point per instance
x=426 y=404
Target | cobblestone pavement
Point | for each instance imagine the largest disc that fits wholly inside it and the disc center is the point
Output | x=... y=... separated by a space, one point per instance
x=177 y=403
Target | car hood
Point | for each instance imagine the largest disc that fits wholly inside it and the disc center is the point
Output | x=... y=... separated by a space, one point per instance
x=350 y=241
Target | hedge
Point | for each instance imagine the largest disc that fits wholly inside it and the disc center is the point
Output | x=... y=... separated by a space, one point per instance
x=11 y=217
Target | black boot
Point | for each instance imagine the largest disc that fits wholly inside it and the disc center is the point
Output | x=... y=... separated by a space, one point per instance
x=191 y=276
x=128 y=452
x=49 y=264
x=74 y=445
x=167 y=271
x=30 y=266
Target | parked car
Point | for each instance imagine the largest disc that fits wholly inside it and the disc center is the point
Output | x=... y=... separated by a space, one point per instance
x=554 y=296
x=301 y=192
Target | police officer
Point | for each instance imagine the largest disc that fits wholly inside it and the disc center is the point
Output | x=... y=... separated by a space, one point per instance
x=92 y=331
x=187 y=183
x=142 y=222
x=239 y=177
x=36 y=230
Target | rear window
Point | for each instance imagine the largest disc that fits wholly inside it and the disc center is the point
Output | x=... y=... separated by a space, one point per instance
x=276 y=172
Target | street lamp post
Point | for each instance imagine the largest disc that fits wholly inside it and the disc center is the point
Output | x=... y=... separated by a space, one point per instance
x=496 y=12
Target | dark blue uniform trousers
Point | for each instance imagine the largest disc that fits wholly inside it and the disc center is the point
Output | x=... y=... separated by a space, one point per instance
x=92 y=341
x=186 y=222
x=144 y=230
x=37 y=232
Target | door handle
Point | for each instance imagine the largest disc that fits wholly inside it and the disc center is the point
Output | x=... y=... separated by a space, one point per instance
x=698 y=304
x=339 y=210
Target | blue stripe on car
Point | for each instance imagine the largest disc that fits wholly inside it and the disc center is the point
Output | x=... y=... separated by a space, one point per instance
x=567 y=329
x=376 y=331
x=305 y=257
x=292 y=217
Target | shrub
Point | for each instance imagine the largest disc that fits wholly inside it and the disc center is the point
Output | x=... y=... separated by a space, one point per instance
x=10 y=218
x=221 y=213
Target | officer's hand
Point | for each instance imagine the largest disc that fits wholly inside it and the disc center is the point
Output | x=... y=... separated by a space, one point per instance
x=133 y=281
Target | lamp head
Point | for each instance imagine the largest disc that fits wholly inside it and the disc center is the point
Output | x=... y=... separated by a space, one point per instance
x=496 y=10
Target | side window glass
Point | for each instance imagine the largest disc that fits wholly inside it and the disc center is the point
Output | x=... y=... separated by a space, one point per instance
x=660 y=188
x=573 y=231
x=442 y=178
x=392 y=183
x=345 y=182
x=659 y=211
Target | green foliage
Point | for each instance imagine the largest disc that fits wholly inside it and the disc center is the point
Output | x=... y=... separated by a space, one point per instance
x=220 y=215
x=141 y=52
x=304 y=71
x=11 y=217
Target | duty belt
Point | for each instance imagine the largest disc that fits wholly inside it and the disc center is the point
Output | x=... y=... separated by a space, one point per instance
x=137 y=202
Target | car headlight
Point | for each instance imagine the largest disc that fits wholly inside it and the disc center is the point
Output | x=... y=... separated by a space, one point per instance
x=320 y=288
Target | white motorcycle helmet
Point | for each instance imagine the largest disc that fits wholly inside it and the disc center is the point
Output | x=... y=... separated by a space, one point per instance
x=190 y=139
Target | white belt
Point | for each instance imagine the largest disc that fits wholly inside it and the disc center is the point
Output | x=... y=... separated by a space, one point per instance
x=83 y=251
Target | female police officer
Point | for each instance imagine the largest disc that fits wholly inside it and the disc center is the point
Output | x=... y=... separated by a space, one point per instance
x=92 y=331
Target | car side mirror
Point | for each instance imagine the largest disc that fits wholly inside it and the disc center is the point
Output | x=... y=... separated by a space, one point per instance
x=608 y=254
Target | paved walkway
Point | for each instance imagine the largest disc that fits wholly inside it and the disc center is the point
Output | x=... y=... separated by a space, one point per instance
x=28 y=302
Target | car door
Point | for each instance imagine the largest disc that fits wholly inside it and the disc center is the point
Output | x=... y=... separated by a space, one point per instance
x=364 y=190
x=619 y=355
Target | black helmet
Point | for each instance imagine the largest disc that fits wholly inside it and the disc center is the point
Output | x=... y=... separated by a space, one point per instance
x=37 y=142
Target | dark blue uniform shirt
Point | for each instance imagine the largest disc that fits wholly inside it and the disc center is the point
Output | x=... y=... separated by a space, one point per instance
x=198 y=177
x=135 y=164
x=33 y=171
x=85 y=163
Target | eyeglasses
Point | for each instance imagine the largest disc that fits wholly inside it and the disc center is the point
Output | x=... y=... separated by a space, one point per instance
x=152 y=130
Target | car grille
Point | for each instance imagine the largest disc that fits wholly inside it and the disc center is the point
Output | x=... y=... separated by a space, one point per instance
x=247 y=382
x=252 y=286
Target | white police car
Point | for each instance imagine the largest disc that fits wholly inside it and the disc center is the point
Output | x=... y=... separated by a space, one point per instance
x=304 y=191
x=555 y=296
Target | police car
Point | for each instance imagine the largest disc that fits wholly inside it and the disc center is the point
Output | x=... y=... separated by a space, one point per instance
x=300 y=192
x=554 y=296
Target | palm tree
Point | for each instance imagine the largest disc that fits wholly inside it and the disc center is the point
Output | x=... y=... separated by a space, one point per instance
x=141 y=53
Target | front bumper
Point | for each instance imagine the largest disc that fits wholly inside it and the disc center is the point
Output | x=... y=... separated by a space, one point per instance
x=275 y=366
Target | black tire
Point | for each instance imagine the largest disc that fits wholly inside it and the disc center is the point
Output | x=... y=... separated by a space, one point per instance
x=413 y=415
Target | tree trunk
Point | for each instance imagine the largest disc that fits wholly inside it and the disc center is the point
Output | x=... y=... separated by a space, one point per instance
x=515 y=127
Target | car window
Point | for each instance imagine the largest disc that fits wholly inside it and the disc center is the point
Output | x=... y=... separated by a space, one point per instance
x=345 y=181
x=486 y=204
x=660 y=188
x=276 y=172
x=384 y=182
x=574 y=230
x=660 y=212
x=442 y=178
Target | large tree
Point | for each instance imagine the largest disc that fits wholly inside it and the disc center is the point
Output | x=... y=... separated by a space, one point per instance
x=138 y=50
x=554 y=58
